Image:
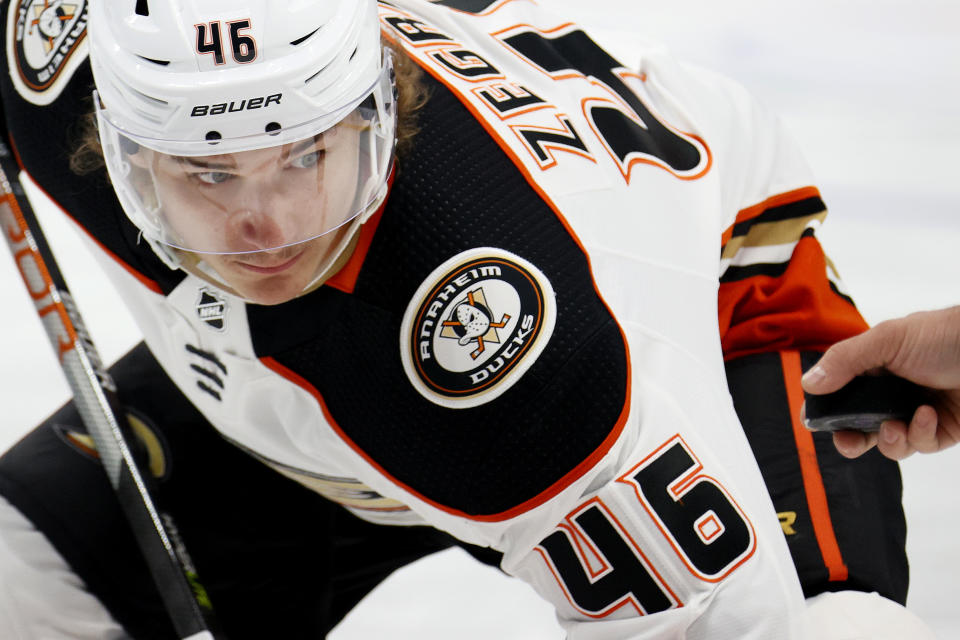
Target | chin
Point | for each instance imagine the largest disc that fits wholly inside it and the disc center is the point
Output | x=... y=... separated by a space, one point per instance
x=270 y=293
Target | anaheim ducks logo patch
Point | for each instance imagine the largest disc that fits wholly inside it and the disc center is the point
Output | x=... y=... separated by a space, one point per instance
x=475 y=325
x=45 y=44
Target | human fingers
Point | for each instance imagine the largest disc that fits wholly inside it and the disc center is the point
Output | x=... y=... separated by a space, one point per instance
x=893 y=442
x=922 y=433
x=852 y=444
x=948 y=417
x=851 y=357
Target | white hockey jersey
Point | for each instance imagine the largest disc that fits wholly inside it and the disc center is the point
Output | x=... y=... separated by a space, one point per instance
x=524 y=349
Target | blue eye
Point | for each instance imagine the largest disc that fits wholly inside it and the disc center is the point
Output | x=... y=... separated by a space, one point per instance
x=307 y=160
x=213 y=177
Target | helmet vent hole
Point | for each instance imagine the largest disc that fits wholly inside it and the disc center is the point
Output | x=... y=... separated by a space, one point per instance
x=161 y=63
x=213 y=137
x=299 y=40
x=142 y=8
x=273 y=128
x=128 y=146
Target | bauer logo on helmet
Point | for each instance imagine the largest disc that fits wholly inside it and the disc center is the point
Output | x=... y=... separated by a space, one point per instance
x=260 y=102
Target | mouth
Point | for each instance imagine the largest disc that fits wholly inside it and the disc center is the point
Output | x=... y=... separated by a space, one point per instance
x=268 y=265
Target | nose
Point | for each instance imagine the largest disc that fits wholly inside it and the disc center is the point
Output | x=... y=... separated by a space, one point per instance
x=261 y=221
x=252 y=230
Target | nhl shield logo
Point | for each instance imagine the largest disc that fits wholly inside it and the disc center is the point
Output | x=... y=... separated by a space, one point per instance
x=475 y=325
x=46 y=41
x=211 y=309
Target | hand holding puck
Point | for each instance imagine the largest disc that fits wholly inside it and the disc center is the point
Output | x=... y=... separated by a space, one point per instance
x=864 y=403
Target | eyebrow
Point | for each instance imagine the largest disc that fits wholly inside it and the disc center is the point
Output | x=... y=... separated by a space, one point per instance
x=203 y=164
x=304 y=144
x=206 y=164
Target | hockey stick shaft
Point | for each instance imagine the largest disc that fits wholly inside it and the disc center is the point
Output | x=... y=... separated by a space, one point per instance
x=95 y=399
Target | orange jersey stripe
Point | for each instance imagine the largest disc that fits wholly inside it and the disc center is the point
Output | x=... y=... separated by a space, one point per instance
x=810 y=471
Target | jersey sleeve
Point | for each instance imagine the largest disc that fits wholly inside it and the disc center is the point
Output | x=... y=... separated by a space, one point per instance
x=778 y=289
x=781 y=303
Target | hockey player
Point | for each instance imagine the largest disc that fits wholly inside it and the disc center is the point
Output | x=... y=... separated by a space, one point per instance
x=504 y=333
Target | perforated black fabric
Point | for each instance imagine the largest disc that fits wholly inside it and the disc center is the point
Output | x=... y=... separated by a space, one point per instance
x=456 y=191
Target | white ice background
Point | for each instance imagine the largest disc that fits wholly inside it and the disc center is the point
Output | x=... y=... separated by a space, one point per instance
x=870 y=91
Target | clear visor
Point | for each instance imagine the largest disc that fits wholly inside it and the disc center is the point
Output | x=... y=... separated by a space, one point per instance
x=264 y=198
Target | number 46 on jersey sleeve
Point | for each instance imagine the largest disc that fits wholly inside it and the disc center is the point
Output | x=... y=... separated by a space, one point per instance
x=602 y=555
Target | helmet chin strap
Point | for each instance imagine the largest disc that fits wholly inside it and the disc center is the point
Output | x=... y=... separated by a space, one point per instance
x=170 y=256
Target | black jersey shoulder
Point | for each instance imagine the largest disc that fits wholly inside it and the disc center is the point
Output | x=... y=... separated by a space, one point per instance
x=455 y=191
x=45 y=103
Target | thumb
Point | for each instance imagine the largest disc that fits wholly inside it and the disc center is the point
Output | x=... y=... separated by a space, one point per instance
x=849 y=358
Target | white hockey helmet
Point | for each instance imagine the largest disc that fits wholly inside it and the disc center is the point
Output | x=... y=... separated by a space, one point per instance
x=203 y=82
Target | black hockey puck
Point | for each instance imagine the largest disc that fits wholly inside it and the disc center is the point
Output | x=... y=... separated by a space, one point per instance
x=864 y=403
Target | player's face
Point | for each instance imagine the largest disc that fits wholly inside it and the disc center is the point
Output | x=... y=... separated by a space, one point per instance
x=264 y=220
x=274 y=277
